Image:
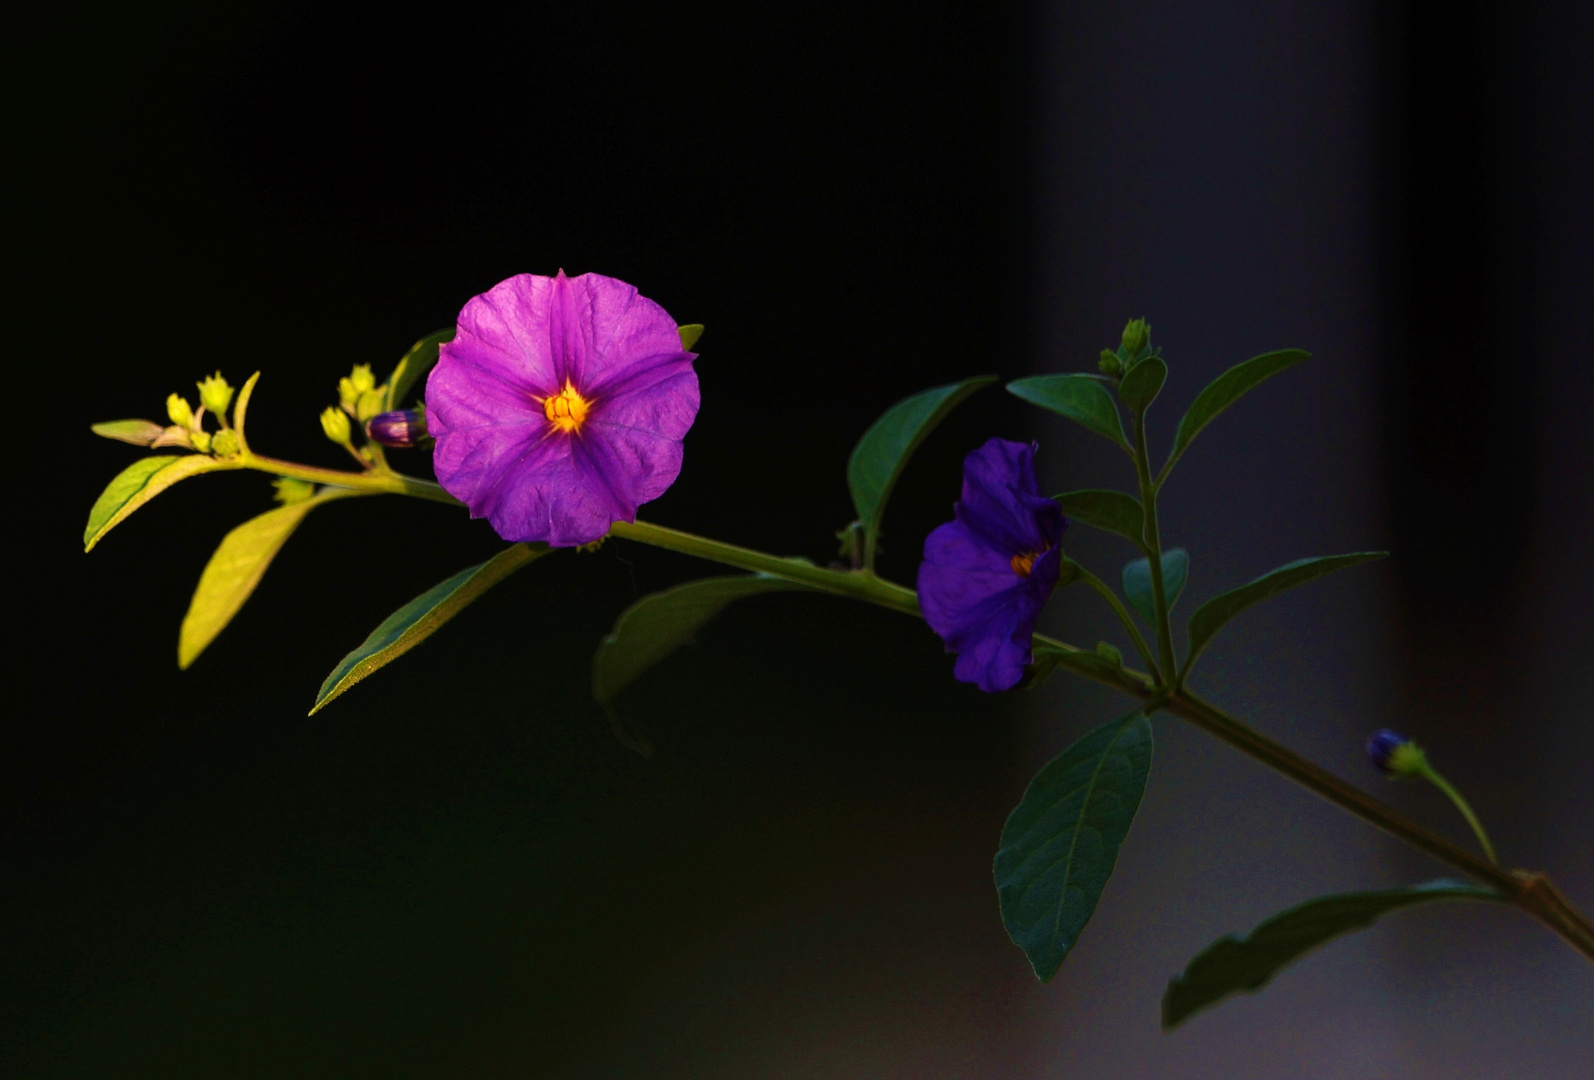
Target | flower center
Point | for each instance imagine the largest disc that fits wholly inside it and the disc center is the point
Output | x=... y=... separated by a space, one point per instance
x=567 y=409
x=1023 y=564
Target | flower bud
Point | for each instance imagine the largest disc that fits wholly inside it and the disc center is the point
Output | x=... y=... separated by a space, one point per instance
x=200 y=440
x=291 y=490
x=179 y=411
x=1110 y=364
x=403 y=427
x=336 y=425
x=352 y=386
x=1394 y=753
x=216 y=395
x=370 y=404
x=1137 y=335
x=224 y=443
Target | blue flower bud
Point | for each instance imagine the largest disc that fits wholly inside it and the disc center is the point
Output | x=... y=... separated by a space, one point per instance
x=1380 y=744
x=404 y=427
x=1394 y=753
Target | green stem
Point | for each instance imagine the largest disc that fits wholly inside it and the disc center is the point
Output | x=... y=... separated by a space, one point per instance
x=1123 y=615
x=375 y=481
x=1153 y=543
x=857 y=584
x=1428 y=773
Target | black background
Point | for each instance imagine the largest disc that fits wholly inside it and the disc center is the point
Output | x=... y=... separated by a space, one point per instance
x=454 y=869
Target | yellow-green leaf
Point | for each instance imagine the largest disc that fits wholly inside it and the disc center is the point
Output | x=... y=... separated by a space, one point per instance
x=422 y=617
x=138 y=484
x=236 y=568
x=689 y=334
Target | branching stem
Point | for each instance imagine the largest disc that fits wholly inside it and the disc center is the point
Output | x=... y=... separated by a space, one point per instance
x=1532 y=892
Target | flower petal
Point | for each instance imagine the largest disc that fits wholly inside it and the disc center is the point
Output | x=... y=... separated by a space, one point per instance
x=1002 y=499
x=504 y=333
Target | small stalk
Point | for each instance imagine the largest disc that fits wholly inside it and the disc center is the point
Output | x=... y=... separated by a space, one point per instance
x=1430 y=774
x=1153 y=543
x=1123 y=616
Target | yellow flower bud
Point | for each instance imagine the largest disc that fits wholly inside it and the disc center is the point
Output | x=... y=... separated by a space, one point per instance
x=224 y=444
x=369 y=405
x=216 y=395
x=336 y=425
x=179 y=411
x=290 y=490
x=200 y=441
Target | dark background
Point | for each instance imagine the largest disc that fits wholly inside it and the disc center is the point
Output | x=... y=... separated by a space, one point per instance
x=454 y=869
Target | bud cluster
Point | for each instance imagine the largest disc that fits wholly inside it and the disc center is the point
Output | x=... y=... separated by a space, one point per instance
x=187 y=428
x=1133 y=347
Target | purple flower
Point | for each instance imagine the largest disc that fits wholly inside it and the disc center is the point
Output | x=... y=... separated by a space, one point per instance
x=987 y=573
x=560 y=406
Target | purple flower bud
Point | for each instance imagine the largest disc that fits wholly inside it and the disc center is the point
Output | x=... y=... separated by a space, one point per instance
x=404 y=427
x=1381 y=746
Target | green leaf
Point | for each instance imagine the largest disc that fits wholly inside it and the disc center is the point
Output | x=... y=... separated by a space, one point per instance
x=1137 y=582
x=1233 y=965
x=1059 y=845
x=413 y=367
x=1225 y=390
x=236 y=568
x=880 y=456
x=1084 y=399
x=1143 y=383
x=657 y=625
x=137 y=432
x=240 y=411
x=422 y=617
x=1110 y=510
x=1210 y=616
x=1092 y=665
x=689 y=334
x=138 y=484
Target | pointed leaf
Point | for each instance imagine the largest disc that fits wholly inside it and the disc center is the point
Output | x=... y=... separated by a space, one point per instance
x=1110 y=510
x=422 y=617
x=413 y=366
x=240 y=411
x=1234 y=965
x=1084 y=399
x=236 y=568
x=138 y=484
x=1143 y=382
x=880 y=456
x=1225 y=390
x=137 y=432
x=1137 y=582
x=658 y=624
x=1092 y=665
x=1210 y=616
x=1060 y=843
x=689 y=334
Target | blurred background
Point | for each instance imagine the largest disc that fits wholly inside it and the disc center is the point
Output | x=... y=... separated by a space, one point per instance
x=455 y=870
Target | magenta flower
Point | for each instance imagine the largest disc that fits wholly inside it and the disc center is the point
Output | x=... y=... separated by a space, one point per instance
x=560 y=406
x=987 y=573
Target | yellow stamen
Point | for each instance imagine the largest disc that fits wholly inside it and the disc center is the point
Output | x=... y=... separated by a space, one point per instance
x=567 y=409
x=1023 y=564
